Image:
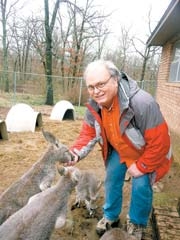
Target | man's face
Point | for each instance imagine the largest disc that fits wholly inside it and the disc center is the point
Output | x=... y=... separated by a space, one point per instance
x=102 y=87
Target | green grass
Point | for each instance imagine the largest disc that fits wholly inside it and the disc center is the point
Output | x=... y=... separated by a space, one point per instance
x=167 y=199
x=175 y=138
x=171 y=190
x=10 y=99
x=80 y=111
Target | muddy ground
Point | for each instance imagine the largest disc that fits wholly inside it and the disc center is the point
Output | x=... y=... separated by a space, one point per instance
x=21 y=150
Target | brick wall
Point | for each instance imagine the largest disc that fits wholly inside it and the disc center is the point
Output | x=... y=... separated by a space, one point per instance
x=168 y=94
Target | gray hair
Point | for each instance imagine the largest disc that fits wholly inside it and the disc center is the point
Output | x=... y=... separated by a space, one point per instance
x=112 y=69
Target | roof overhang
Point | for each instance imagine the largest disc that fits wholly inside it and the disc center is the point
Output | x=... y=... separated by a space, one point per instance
x=168 y=26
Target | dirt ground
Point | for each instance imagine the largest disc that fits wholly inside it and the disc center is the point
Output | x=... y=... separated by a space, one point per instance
x=21 y=150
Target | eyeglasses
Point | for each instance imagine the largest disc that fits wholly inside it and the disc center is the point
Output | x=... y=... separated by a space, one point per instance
x=98 y=86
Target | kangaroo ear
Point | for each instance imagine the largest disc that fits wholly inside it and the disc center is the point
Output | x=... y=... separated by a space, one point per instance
x=50 y=138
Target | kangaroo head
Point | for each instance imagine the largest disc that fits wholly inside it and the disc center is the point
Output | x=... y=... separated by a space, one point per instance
x=50 y=138
x=73 y=172
x=61 y=151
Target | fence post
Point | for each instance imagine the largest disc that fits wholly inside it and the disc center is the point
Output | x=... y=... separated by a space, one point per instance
x=14 y=86
x=80 y=92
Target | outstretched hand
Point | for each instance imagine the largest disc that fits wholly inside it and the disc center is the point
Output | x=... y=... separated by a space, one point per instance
x=73 y=161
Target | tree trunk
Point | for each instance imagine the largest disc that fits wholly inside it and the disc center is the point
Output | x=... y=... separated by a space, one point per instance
x=5 y=52
x=48 y=70
x=49 y=26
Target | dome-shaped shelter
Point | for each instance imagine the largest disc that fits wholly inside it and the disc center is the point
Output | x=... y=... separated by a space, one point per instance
x=22 y=118
x=63 y=110
x=3 y=130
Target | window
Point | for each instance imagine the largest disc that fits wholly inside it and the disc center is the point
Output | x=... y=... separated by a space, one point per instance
x=174 y=75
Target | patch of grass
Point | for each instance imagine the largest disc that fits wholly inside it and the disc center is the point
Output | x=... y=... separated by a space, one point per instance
x=31 y=99
x=165 y=199
x=10 y=99
x=80 y=111
x=175 y=138
x=171 y=191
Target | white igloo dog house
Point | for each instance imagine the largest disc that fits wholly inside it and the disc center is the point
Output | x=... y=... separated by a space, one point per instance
x=63 y=110
x=22 y=118
x=3 y=130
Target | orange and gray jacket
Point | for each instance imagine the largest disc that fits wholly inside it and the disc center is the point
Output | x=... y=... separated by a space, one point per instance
x=142 y=126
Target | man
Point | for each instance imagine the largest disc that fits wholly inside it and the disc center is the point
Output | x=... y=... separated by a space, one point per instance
x=127 y=123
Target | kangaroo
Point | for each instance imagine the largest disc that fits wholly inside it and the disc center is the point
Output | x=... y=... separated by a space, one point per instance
x=36 y=179
x=87 y=191
x=116 y=234
x=43 y=212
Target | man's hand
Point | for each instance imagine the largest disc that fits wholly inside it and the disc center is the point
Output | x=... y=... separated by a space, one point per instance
x=134 y=171
x=74 y=160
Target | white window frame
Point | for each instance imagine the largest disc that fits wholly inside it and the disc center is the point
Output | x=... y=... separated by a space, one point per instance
x=174 y=75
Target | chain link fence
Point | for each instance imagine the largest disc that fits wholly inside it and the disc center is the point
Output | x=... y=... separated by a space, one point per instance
x=30 y=86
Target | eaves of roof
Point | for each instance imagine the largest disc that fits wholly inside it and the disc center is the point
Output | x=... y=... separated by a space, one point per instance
x=168 y=26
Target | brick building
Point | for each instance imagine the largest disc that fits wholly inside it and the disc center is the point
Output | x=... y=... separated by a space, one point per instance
x=167 y=35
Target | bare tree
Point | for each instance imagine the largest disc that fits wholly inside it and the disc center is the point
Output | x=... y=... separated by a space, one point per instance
x=5 y=14
x=38 y=38
x=64 y=45
x=21 y=44
x=125 y=45
x=103 y=33
x=49 y=26
x=86 y=31
x=148 y=52
x=120 y=55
